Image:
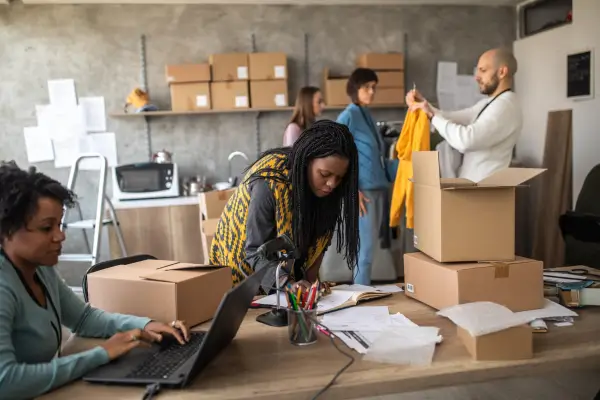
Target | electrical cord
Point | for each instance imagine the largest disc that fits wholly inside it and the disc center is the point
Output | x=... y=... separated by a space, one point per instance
x=348 y=355
x=151 y=391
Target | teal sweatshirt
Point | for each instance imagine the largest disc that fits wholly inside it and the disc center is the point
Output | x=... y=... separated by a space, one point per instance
x=30 y=334
x=375 y=171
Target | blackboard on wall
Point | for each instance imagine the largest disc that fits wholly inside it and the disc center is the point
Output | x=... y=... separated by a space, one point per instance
x=579 y=74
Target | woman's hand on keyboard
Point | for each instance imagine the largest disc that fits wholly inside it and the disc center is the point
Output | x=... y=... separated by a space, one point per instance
x=123 y=342
x=177 y=329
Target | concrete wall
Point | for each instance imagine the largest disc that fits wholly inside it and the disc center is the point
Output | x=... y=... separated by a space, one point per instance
x=98 y=46
x=541 y=85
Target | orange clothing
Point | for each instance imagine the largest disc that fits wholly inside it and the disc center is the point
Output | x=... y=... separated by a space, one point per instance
x=415 y=136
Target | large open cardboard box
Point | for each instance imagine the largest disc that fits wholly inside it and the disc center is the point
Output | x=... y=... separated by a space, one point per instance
x=460 y=220
x=161 y=290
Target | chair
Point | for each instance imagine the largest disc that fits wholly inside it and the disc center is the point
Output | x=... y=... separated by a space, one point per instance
x=110 y=264
x=580 y=228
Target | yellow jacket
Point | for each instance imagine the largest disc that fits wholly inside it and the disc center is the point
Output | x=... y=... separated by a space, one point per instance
x=414 y=137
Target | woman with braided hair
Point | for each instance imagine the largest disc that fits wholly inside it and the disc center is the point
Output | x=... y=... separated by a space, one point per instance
x=307 y=192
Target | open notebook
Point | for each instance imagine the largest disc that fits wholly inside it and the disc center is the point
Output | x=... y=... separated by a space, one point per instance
x=342 y=296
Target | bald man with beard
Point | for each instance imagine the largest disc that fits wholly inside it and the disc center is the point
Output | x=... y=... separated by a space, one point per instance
x=486 y=133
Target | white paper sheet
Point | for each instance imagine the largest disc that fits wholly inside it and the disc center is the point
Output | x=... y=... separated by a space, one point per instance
x=38 y=145
x=404 y=346
x=361 y=341
x=62 y=93
x=446 y=101
x=388 y=288
x=65 y=152
x=360 y=319
x=550 y=310
x=102 y=143
x=335 y=299
x=484 y=317
x=446 y=76
x=62 y=123
x=364 y=288
x=95 y=113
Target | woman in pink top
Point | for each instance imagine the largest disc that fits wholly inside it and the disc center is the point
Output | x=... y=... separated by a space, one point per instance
x=309 y=105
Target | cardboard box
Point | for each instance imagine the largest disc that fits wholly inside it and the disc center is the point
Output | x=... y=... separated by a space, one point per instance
x=460 y=220
x=269 y=94
x=187 y=73
x=510 y=344
x=517 y=285
x=213 y=203
x=190 y=96
x=161 y=290
x=389 y=96
x=229 y=67
x=267 y=66
x=229 y=95
x=335 y=89
x=381 y=61
x=390 y=79
x=206 y=245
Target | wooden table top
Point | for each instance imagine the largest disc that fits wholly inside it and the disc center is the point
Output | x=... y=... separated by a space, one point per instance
x=261 y=364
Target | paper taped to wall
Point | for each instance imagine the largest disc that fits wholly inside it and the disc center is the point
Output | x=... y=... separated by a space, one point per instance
x=95 y=113
x=38 y=145
x=62 y=93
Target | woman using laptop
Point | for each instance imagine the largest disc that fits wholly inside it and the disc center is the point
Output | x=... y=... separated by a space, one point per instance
x=305 y=192
x=35 y=302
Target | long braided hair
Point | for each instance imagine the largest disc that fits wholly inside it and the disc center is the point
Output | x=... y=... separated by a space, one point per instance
x=313 y=217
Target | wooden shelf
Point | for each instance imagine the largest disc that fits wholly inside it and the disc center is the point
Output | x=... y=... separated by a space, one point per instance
x=168 y=113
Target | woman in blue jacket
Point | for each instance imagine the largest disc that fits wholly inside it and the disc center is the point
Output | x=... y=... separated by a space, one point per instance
x=375 y=172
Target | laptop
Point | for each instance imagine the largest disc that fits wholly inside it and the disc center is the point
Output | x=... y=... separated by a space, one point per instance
x=173 y=365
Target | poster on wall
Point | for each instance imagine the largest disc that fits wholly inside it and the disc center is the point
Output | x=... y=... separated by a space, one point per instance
x=580 y=79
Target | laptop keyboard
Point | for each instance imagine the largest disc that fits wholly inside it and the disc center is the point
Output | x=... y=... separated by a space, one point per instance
x=170 y=357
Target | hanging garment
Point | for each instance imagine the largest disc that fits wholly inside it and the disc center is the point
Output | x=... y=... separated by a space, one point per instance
x=414 y=137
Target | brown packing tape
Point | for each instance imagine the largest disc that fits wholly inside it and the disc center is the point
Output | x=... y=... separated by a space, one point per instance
x=501 y=270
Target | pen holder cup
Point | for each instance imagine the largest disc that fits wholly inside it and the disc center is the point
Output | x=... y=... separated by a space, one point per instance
x=302 y=329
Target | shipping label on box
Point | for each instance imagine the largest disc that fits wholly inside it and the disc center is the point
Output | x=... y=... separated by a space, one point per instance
x=460 y=220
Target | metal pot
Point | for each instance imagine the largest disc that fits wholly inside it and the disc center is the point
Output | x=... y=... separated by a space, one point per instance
x=162 y=157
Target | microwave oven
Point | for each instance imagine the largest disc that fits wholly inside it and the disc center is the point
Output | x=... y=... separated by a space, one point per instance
x=143 y=181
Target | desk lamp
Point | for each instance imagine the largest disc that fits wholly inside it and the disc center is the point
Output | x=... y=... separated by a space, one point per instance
x=283 y=250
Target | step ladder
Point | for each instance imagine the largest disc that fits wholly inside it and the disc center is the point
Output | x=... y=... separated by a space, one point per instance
x=96 y=224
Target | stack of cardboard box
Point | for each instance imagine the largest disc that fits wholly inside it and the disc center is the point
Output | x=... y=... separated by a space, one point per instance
x=466 y=234
x=189 y=85
x=390 y=72
x=229 y=86
x=223 y=83
x=211 y=207
x=268 y=80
